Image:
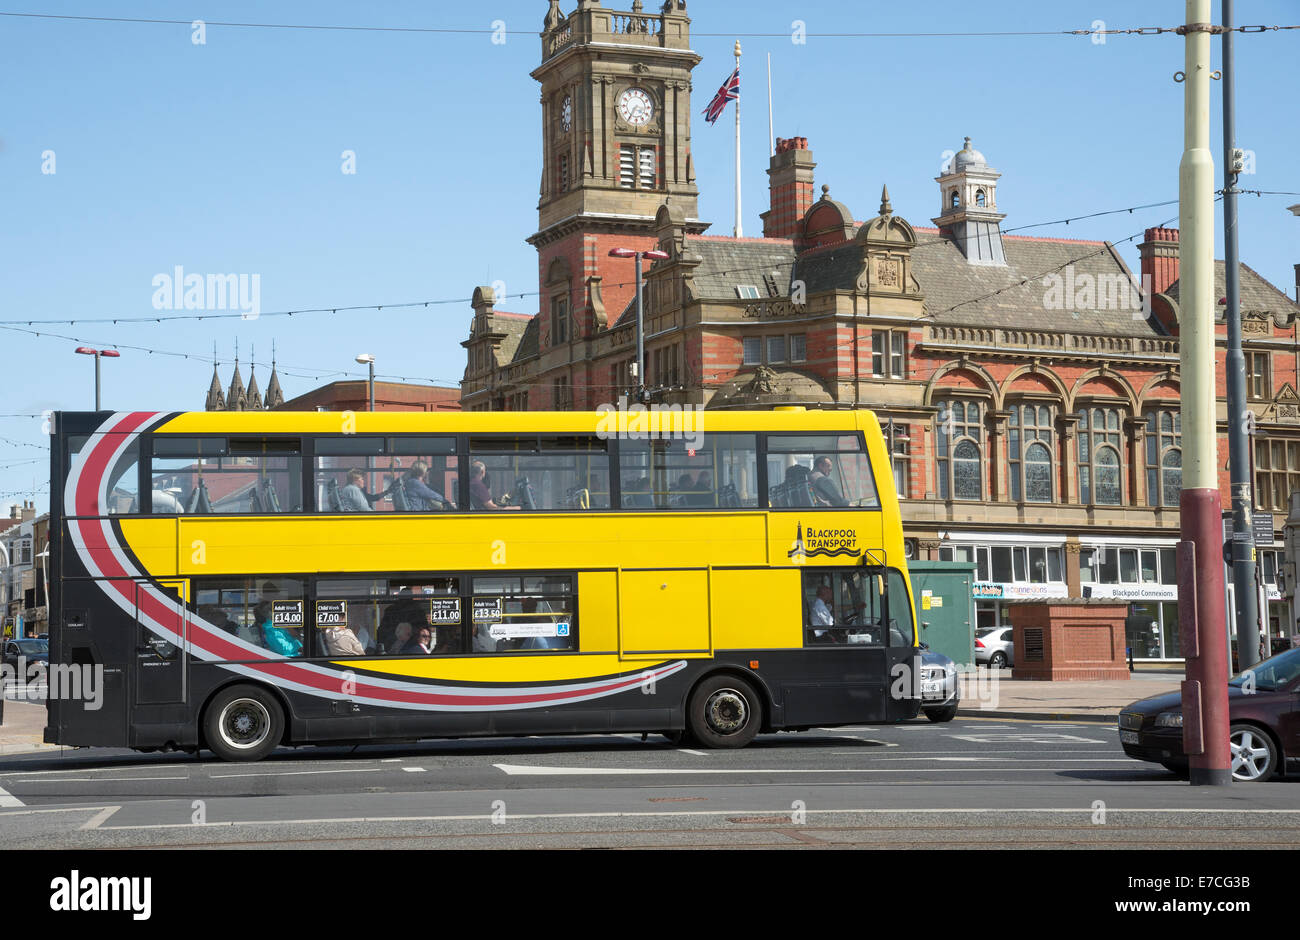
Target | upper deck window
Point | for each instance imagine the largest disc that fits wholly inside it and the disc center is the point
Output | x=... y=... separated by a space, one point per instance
x=823 y=471
x=219 y=475
x=715 y=471
x=385 y=474
x=538 y=473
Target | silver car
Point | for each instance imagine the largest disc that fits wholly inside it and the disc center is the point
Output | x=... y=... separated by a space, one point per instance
x=994 y=648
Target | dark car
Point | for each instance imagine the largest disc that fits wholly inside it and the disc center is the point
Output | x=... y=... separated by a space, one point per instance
x=33 y=650
x=939 y=689
x=1263 y=714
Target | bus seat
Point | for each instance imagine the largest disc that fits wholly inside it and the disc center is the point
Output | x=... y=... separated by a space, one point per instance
x=332 y=498
x=270 y=498
x=204 y=503
x=400 y=502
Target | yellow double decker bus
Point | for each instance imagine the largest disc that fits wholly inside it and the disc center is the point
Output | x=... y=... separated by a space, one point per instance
x=245 y=581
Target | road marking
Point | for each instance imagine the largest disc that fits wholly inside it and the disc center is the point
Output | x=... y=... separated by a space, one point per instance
x=1024 y=738
x=92 y=779
x=519 y=770
x=391 y=760
x=414 y=770
x=687 y=750
x=95 y=821
x=299 y=773
x=1084 y=813
x=8 y=799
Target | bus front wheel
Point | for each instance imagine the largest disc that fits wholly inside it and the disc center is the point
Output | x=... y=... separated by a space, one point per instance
x=243 y=723
x=725 y=712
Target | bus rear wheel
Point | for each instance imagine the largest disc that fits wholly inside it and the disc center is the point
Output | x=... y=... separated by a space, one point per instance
x=724 y=712
x=243 y=723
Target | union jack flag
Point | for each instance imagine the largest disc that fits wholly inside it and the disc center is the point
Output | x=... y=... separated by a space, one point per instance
x=729 y=91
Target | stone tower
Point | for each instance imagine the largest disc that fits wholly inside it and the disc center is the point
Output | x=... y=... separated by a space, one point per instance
x=616 y=142
x=968 y=211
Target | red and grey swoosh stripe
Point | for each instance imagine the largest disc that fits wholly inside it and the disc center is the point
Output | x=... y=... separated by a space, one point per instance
x=99 y=545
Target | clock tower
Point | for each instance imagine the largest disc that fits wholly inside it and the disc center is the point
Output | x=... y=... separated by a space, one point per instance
x=616 y=143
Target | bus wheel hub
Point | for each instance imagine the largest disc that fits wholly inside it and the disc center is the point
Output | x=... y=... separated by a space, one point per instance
x=727 y=711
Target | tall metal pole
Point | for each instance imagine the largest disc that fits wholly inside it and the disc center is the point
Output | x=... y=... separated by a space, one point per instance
x=96 y=381
x=739 y=232
x=771 y=133
x=1200 y=568
x=372 y=384
x=1243 y=535
x=640 y=336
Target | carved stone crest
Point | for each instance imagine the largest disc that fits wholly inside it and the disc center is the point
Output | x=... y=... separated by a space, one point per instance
x=888 y=272
x=761 y=383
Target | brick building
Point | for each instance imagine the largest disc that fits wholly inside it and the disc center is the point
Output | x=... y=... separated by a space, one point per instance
x=1030 y=385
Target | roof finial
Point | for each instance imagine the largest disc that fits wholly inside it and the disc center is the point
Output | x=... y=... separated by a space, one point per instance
x=968 y=146
x=826 y=191
x=885 y=207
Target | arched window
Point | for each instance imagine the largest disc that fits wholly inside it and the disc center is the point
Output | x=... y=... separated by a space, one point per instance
x=1029 y=453
x=1164 y=458
x=1101 y=478
x=959 y=450
x=980 y=199
x=954 y=201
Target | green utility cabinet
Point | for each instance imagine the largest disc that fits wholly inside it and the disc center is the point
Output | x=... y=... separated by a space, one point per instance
x=945 y=610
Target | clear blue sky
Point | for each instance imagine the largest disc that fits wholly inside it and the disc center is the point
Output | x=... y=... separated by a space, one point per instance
x=225 y=158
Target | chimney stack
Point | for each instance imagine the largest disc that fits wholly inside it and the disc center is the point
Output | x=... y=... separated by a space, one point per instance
x=1159 y=253
x=790 y=178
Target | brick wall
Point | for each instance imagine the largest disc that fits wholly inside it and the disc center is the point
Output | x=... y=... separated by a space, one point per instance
x=1080 y=642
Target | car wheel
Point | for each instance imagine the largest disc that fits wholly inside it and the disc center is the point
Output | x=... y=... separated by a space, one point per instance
x=1254 y=755
x=243 y=723
x=997 y=660
x=945 y=713
x=725 y=712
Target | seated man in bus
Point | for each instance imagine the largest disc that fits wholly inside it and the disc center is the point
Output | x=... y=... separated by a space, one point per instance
x=823 y=615
x=353 y=498
x=419 y=495
x=826 y=489
x=480 y=494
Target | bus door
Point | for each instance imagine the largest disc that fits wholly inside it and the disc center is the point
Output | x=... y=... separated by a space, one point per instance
x=161 y=666
x=90 y=643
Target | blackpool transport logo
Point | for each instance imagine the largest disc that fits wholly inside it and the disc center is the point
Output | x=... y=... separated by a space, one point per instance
x=828 y=542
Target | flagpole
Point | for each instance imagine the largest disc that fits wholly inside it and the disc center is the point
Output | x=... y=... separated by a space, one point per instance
x=739 y=232
x=771 y=134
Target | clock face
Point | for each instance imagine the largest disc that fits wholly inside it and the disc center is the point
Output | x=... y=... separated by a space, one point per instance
x=635 y=107
x=566 y=113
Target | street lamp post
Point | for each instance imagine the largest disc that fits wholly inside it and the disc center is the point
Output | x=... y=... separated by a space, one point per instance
x=369 y=360
x=97 y=353
x=641 y=394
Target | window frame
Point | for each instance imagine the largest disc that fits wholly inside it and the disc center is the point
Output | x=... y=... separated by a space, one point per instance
x=945 y=450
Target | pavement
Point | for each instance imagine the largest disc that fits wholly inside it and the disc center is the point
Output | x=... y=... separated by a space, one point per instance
x=991 y=694
x=984 y=694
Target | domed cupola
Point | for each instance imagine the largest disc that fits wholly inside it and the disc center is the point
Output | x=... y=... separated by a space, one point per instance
x=968 y=208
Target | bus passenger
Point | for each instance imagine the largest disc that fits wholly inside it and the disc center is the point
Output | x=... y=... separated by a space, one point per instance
x=419 y=495
x=353 y=498
x=827 y=490
x=420 y=644
x=480 y=495
x=278 y=639
x=341 y=641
